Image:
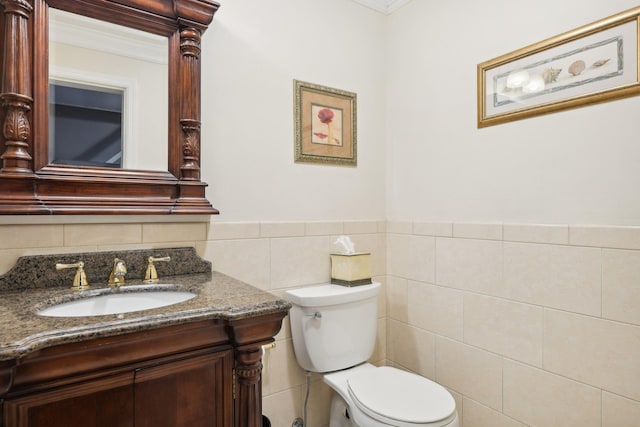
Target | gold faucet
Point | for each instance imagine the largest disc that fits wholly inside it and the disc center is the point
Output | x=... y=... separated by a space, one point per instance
x=151 y=275
x=80 y=279
x=116 y=278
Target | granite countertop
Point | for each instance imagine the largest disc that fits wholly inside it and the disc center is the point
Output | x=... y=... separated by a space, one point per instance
x=218 y=297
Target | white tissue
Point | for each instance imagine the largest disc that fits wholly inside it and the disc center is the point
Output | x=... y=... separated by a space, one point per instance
x=348 y=247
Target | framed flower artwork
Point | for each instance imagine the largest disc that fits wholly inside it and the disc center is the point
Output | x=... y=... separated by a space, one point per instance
x=325 y=125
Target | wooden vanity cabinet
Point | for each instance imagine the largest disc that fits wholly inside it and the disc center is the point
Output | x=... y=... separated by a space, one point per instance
x=197 y=391
x=201 y=374
x=101 y=403
x=190 y=391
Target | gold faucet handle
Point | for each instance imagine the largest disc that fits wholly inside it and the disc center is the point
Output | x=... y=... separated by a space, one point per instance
x=151 y=275
x=80 y=279
x=117 y=275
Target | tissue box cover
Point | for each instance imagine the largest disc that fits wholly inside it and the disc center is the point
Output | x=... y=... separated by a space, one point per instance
x=351 y=270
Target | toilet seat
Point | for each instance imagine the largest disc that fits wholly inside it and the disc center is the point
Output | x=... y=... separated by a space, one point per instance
x=378 y=396
x=400 y=398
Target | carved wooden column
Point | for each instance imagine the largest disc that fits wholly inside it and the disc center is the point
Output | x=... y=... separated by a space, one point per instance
x=248 y=412
x=17 y=189
x=248 y=336
x=190 y=117
x=192 y=190
x=16 y=94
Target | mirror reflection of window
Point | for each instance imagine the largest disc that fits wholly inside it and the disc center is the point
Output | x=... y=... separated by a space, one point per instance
x=85 y=126
x=92 y=54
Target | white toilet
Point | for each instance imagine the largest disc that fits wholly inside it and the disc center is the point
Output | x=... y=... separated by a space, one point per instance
x=334 y=332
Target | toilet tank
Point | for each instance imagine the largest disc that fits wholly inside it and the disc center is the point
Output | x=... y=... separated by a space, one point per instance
x=333 y=327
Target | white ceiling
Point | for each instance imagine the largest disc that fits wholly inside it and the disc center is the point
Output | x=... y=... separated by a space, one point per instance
x=384 y=6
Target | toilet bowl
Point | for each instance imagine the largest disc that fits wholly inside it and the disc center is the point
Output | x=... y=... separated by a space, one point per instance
x=333 y=331
x=369 y=396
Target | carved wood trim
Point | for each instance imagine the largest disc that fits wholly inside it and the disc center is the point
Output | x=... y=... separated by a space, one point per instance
x=66 y=362
x=190 y=111
x=248 y=410
x=248 y=336
x=16 y=88
x=7 y=371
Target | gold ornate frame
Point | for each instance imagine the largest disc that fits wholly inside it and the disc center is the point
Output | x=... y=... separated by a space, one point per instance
x=325 y=125
x=595 y=63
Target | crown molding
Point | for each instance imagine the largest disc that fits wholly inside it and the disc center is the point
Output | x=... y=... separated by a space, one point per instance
x=79 y=31
x=384 y=6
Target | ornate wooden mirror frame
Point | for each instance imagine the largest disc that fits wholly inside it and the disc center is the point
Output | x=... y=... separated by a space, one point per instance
x=29 y=184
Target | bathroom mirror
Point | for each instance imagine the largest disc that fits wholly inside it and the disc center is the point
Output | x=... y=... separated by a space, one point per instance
x=120 y=165
x=107 y=101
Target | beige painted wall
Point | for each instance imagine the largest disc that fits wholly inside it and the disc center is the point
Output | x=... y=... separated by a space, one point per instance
x=252 y=53
x=573 y=167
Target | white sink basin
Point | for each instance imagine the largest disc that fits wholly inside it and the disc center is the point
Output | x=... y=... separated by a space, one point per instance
x=116 y=303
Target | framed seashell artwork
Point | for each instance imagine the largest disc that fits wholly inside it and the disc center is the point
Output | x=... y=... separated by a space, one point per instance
x=325 y=125
x=595 y=63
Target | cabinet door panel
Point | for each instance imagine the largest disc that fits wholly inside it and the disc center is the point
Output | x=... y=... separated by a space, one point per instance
x=192 y=392
x=106 y=402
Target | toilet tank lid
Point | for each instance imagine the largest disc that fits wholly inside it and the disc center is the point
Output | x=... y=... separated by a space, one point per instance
x=323 y=295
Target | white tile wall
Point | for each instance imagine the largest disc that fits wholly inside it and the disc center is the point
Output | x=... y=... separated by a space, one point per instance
x=621 y=285
x=477 y=231
x=550 y=319
x=435 y=309
x=504 y=327
x=594 y=351
x=477 y=415
x=248 y=260
x=470 y=265
x=618 y=411
x=564 y=277
x=397 y=298
x=539 y=398
x=441 y=229
x=470 y=371
x=526 y=324
x=537 y=233
x=411 y=257
x=412 y=348
x=32 y=236
x=603 y=236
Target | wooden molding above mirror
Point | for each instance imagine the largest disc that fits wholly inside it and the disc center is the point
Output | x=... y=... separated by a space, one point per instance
x=29 y=184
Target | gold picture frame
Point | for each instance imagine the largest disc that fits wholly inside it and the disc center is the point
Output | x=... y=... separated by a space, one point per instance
x=325 y=125
x=595 y=63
